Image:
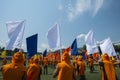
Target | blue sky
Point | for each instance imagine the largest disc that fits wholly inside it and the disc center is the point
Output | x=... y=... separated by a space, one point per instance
x=75 y=17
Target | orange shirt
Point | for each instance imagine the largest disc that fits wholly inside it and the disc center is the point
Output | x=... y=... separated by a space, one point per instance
x=81 y=67
x=90 y=62
x=65 y=71
x=45 y=62
x=13 y=72
x=75 y=64
x=109 y=69
x=34 y=71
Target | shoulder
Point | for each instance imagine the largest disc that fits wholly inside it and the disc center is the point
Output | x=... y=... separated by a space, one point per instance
x=79 y=62
x=6 y=66
x=60 y=64
x=32 y=66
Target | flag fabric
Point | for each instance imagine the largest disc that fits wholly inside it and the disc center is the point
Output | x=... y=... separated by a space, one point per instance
x=53 y=36
x=32 y=45
x=45 y=53
x=3 y=54
x=91 y=43
x=74 y=48
x=15 y=31
x=106 y=46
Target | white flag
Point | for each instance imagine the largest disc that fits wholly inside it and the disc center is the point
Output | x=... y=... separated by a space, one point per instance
x=15 y=31
x=106 y=46
x=53 y=36
x=91 y=43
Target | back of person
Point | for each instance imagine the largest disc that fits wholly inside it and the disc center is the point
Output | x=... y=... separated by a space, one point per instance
x=65 y=71
x=90 y=62
x=109 y=69
x=81 y=67
x=45 y=62
x=13 y=72
x=34 y=71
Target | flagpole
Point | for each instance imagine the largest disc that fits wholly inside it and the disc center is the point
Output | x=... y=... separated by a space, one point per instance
x=60 y=45
x=61 y=54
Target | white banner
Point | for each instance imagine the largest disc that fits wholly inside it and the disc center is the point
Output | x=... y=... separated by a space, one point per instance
x=15 y=31
x=107 y=47
x=53 y=36
x=91 y=43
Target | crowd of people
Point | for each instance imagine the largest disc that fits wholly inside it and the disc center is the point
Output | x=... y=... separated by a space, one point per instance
x=63 y=70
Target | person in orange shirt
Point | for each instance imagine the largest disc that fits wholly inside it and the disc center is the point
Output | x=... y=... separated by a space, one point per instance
x=107 y=69
x=45 y=65
x=30 y=61
x=81 y=66
x=41 y=61
x=16 y=70
x=35 y=70
x=90 y=63
x=75 y=65
x=64 y=70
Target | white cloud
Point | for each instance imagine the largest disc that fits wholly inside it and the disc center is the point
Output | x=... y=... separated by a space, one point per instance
x=2 y=44
x=63 y=46
x=82 y=6
x=98 y=42
x=43 y=45
x=24 y=47
x=80 y=36
x=38 y=49
x=98 y=5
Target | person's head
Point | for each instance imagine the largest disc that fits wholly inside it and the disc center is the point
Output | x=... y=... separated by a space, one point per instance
x=18 y=58
x=31 y=60
x=105 y=56
x=65 y=56
x=80 y=58
x=35 y=59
